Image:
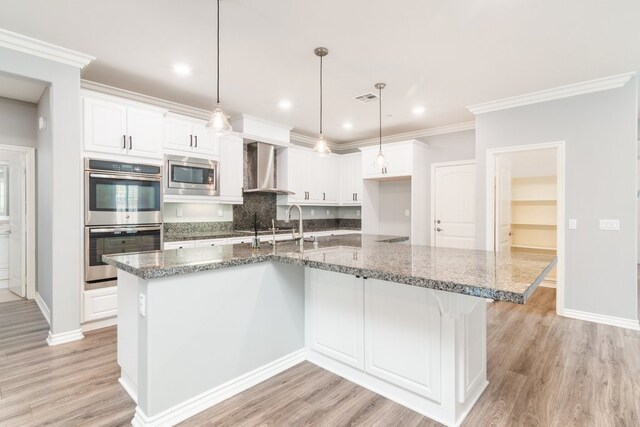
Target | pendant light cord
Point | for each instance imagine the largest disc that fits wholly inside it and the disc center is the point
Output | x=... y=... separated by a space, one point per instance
x=218 y=58
x=380 y=114
x=321 y=95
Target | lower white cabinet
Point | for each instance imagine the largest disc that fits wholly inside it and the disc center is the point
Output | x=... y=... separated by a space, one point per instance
x=334 y=315
x=180 y=245
x=100 y=304
x=402 y=336
x=210 y=242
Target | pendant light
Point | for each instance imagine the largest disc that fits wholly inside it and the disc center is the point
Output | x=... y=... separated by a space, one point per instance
x=380 y=161
x=219 y=122
x=321 y=147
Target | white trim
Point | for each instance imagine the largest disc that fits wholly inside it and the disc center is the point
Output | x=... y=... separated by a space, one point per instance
x=129 y=386
x=560 y=210
x=581 y=88
x=432 y=209
x=205 y=400
x=309 y=141
x=35 y=47
x=439 y=130
x=99 y=324
x=123 y=94
x=64 y=337
x=602 y=319
x=43 y=308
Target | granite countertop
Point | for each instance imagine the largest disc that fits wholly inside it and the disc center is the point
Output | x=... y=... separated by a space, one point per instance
x=500 y=276
x=205 y=235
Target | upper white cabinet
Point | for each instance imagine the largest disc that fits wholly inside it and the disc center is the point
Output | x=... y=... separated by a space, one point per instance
x=399 y=156
x=313 y=179
x=189 y=135
x=231 y=168
x=120 y=128
x=351 y=179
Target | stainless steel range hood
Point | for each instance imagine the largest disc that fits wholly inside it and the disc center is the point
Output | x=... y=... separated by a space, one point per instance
x=261 y=169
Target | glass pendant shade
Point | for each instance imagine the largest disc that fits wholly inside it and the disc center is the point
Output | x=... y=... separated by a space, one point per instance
x=380 y=161
x=321 y=148
x=219 y=122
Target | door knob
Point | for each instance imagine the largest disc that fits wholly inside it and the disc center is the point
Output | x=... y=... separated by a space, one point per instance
x=437 y=221
x=438 y=229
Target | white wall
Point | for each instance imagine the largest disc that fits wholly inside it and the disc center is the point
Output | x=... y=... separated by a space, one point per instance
x=44 y=223
x=447 y=148
x=600 y=132
x=395 y=199
x=17 y=123
x=59 y=245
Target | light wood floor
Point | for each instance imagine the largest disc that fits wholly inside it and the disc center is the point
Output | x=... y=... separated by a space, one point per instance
x=543 y=370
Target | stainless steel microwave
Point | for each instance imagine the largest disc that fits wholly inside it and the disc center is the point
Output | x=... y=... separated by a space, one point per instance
x=191 y=176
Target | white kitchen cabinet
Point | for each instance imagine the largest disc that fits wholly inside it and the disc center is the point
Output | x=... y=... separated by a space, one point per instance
x=399 y=156
x=180 y=245
x=351 y=179
x=100 y=303
x=231 y=167
x=312 y=178
x=120 y=128
x=189 y=136
x=334 y=315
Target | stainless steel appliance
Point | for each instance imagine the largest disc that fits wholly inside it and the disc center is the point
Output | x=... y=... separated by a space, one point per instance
x=191 y=176
x=261 y=169
x=100 y=241
x=119 y=193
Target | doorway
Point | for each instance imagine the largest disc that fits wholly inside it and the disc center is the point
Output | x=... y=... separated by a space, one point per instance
x=17 y=223
x=525 y=205
x=453 y=205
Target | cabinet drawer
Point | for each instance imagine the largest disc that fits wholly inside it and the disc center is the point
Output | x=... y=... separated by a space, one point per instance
x=180 y=245
x=100 y=304
x=210 y=242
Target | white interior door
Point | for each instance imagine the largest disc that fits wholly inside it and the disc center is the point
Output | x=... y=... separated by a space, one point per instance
x=12 y=213
x=455 y=206
x=502 y=206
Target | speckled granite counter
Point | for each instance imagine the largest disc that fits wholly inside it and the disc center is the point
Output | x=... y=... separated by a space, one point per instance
x=224 y=234
x=505 y=277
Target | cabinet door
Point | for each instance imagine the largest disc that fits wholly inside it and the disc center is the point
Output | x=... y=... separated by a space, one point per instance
x=295 y=177
x=205 y=142
x=330 y=176
x=312 y=170
x=178 y=134
x=334 y=306
x=400 y=159
x=231 y=166
x=357 y=177
x=144 y=133
x=402 y=336
x=105 y=126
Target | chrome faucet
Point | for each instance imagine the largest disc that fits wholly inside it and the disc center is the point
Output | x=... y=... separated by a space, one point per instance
x=301 y=237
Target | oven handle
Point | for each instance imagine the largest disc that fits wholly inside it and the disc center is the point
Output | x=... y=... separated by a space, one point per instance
x=126 y=177
x=112 y=229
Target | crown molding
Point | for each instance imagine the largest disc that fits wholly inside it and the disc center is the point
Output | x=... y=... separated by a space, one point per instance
x=42 y=49
x=173 y=107
x=590 y=86
x=438 y=130
x=305 y=140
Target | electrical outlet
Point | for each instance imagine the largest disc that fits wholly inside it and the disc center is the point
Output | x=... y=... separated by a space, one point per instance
x=328 y=212
x=573 y=224
x=220 y=212
x=406 y=212
x=610 y=224
x=313 y=212
x=178 y=212
x=142 y=305
x=358 y=212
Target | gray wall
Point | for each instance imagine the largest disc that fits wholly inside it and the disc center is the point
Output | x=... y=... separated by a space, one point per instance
x=448 y=148
x=600 y=132
x=44 y=199
x=17 y=123
x=62 y=251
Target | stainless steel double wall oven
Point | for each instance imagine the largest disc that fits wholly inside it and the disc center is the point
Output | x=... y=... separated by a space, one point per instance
x=123 y=212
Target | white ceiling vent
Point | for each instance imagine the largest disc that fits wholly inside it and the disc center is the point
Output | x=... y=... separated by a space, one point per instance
x=366 y=97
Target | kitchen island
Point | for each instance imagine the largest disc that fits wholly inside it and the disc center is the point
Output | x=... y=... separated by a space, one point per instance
x=196 y=326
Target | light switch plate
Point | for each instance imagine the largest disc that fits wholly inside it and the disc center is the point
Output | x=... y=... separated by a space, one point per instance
x=610 y=224
x=573 y=224
x=142 y=305
x=178 y=212
x=406 y=212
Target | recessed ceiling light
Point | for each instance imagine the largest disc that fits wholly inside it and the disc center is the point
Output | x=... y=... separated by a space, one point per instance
x=285 y=104
x=347 y=125
x=418 y=110
x=182 y=69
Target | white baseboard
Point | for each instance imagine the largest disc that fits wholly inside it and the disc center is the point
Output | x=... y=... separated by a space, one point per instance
x=190 y=407
x=129 y=386
x=603 y=319
x=43 y=308
x=98 y=324
x=64 y=337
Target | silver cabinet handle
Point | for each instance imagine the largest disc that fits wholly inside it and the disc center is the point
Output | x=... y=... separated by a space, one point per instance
x=196 y=141
x=438 y=229
x=324 y=197
x=356 y=197
x=190 y=140
x=124 y=142
x=130 y=142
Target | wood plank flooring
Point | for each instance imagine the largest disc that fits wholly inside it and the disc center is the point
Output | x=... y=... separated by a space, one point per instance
x=544 y=370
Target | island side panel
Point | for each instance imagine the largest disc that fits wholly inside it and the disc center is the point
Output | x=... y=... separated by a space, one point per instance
x=128 y=291
x=204 y=330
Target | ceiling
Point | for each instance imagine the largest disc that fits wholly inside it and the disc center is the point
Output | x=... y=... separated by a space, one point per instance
x=22 y=90
x=438 y=54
